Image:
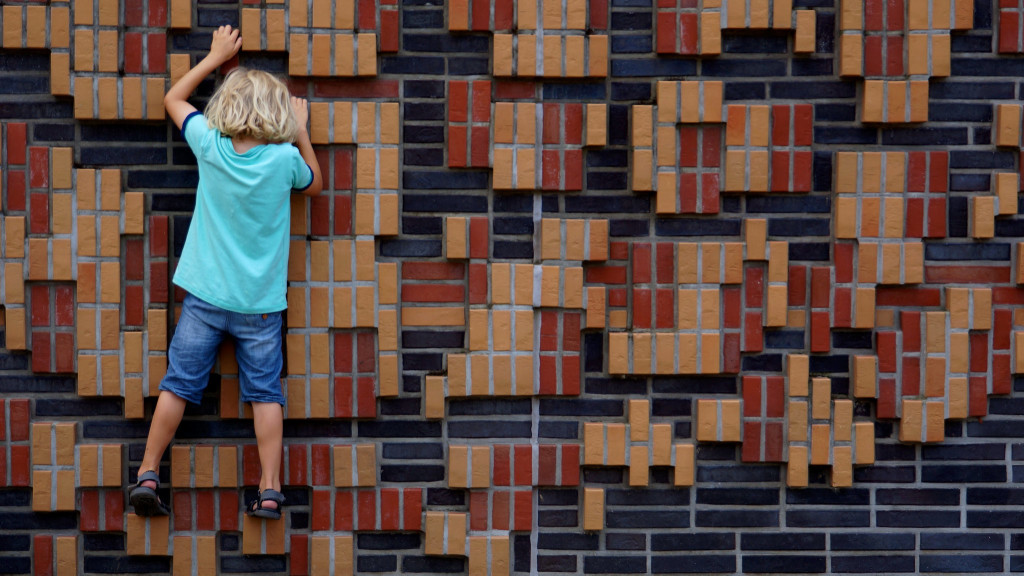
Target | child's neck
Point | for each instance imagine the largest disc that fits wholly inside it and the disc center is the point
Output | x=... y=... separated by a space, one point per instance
x=243 y=144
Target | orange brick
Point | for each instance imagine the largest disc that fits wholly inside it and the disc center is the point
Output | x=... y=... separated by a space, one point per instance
x=181 y=14
x=865 y=316
x=12 y=33
x=918 y=101
x=851 y=54
x=912 y=421
x=711 y=32
x=553 y=56
x=434 y=533
x=797 y=374
x=796 y=468
x=935 y=416
x=805 y=40
x=455 y=544
x=593 y=508
x=639 y=471
x=983 y=217
x=821 y=407
x=842 y=466
x=711 y=262
x=820 y=444
x=863 y=372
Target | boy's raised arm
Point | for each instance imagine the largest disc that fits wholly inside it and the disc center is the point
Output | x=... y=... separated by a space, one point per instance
x=226 y=43
x=302 y=142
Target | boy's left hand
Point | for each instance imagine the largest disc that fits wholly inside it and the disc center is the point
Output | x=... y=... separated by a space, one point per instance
x=301 y=109
x=226 y=43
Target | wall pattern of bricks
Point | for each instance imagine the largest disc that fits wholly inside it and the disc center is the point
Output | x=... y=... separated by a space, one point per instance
x=594 y=287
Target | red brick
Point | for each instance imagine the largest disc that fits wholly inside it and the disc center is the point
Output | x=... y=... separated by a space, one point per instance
x=598 y=15
x=367 y=401
x=367 y=15
x=134 y=306
x=457 y=146
x=298 y=554
x=433 y=271
x=547 y=464
x=938 y=171
x=65 y=352
x=16 y=143
x=478 y=242
x=885 y=343
x=977 y=397
x=500 y=513
x=501 y=474
x=1005 y=295
x=732 y=308
x=780 y=125
x=389 y=30
x=39 y=213
x=937 y=217
x=158 y=13
x=551 y=170
x=113 y=506
x=820 y=287
x=775 y=405
x=342 y=181
x=570 y=375
x=413 y=508
x=16 y=190
x=911 y=381
x=754 y=287
x=1009 y=27
x=297 y=458
x=480 y=143
x=320 y=215
x=1002 y=326
x=894 y=15
x=573 y=170
x=40 y=305
x=842 y=308
x=523 y=465
x=438 y=293
x=250 y=465
x=910 y=324
x=343 y=397
x=515 y=90
x=959 y=274
x=181 y=502
x=803 y=162
x=907 y=296
x=618 y=297
x=753 y=337
x=886 y=406
x=42 y=344
x=641 y=263
x=774 y=437
x=665 y=316
x=917 y=171
x=355 y=89
x=3 y=429
x=367 y=500
x=21 y=468
x=478 y=510
x=132 y=50
x=366 y=352
x=158 y=236
x=390 y=509
x=89 y=517
x=820 y=332
x=751 y=447
x=42 y=555
x=523 y=500
x=343 y=356
x=478 y=283
x=134 y=13
x=874 y=15
x=320 y=461
x=229 y=506
x=797 y=285
x=320 y=509
x=206 y=510
x=548 y=375
x=915 y=218
x=20 y=419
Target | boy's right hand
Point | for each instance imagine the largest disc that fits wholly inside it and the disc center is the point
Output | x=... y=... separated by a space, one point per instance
x=301 y=109
x=226 y=43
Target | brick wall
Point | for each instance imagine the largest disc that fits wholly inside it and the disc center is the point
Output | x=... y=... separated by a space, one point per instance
x=595 y=286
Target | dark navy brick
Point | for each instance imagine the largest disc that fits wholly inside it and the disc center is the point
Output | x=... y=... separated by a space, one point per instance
x=433 y=564
x=962 y=541
x=489 y=429
x=963 y=474
x=697 y=227
x=744 y=91
x=994 y=519
x=632 y=44
x=786 y=541
x=670 y=407
x=960 y=67
x=648 y=497
x=918 y=519
x=566 y=541
x=693 y=541
x=625 y=541
x=617 y=386
x=631 y=20
x=835 y=363
x=411 y=473
x=117 y=155
x=631 y=90
x=424 y=88
x=607 y=159
x=964 y=452
x=419 y=134
x=561 y=430
x=593 y=564
x=738 y=496
x=762 y=363
x=398 y=429
x=693 y=564
x=856 y=340
x=957 y=213
x=413 y=451
x=871 y=542
x=759 y=44
x=21 y=61
x=789 y=204
x=960 y=112
x=713 y=385
x=743 y=68
x=736 y=519
x=789 y=90
x=559 y=407
x=628 y=228
x=607 y=204
x=432 y=339
x=491 y=407
x=813 y=67
x=444 y=43
x=959 y=89
x=410 y=248
x=873 y=564
x=417 y=111
x=784 y=339
x=506 y=249
x=417 y=66
x=557 y=518
x=376 y=563
x=463 y=180
x=35 y=110
x=17 y=543
x=973 y=251
x=784 y=563
x=389 y=541
x=45 y=132
x=987 y=160
x=136 y=565
x=468 y=66
x=835 y=112
x=422 y=19
x=11 y=520
x=417 y=225
x=918 y=497
x=797 y=227
x=445 y=497
x=522 y=225
x=809 y=251
x=836 y=135
x=123 y=133
x=828 y=518
x=91 y=407
x=961 y=564
x=645 y=67
x=574 y=91
x=443 y=203
x=925 y=136
x=820 y=497
x=606 y=181
x=555 y=563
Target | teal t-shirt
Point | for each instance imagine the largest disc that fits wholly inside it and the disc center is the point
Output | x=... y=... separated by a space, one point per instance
x=236 y=252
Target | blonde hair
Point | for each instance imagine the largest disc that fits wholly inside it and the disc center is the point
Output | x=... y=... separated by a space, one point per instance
x=253 y=103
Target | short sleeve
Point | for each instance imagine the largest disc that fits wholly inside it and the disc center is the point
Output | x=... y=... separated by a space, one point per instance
x=195 y=131
x=302 y=173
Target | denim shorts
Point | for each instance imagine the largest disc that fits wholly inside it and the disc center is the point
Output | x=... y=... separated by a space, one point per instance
x=197 y=338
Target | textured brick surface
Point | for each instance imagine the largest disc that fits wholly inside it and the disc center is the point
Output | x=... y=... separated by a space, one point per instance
x=594 y=287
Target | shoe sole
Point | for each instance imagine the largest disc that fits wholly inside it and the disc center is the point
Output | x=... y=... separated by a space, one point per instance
x=146 y=503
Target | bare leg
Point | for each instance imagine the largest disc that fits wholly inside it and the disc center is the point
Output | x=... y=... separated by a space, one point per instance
x=268 y=419
x=166 y=417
